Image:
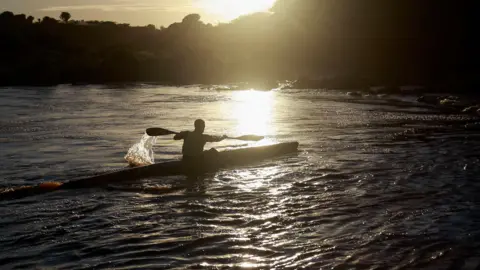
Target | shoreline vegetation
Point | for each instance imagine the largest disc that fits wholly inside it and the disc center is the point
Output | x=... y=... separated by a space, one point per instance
x=304 y=44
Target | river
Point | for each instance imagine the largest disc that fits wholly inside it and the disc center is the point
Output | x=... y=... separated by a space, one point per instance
x=379 y=182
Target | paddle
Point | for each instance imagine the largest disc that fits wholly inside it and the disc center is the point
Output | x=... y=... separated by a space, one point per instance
x=253 y=138
x=159 y=132
x=163 y=132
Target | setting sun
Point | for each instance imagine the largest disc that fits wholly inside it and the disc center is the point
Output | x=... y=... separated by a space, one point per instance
x=231 y=9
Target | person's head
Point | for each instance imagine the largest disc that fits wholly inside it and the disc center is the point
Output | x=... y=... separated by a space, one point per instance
x=199 y=125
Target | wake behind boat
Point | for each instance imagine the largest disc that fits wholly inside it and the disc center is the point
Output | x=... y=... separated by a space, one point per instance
x=225 y=159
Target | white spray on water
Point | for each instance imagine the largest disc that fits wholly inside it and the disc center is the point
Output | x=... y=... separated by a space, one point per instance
x=141 y=153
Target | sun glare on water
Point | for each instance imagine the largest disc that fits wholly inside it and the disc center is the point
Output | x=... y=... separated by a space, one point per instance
x=231 y=9
x=253 y=112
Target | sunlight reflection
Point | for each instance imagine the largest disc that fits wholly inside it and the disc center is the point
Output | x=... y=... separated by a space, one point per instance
x=253 y=112
x=250 y=180
x=251 y=265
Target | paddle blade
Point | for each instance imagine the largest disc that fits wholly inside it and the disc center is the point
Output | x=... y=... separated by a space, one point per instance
x=159 y=132
x=253 y=138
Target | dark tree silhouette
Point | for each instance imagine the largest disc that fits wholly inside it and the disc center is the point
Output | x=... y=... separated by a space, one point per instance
x=191 y=19
x=335 y=43
x=65 y=17
x=49 y=21
x=6 y=15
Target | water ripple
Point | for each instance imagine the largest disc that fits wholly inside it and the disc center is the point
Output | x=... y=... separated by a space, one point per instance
x=379 y=183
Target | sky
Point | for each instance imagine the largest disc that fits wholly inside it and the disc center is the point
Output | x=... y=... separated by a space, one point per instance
x=138 y=12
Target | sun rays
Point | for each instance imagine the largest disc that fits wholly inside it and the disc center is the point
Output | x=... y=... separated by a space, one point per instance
x=231 y=9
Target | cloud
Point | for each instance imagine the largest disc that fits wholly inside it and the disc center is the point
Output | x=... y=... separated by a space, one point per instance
x=128 y=5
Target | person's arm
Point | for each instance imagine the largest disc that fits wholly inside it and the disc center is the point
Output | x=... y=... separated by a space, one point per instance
x=209 y=138
x=180 y=136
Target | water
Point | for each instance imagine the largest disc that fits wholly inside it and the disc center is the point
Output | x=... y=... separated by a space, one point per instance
x=379 y=183
x=141 y=153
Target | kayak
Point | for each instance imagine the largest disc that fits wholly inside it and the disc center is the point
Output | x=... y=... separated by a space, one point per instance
x=225 y=159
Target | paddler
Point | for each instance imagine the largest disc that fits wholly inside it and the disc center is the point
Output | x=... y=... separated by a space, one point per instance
x=194 y=142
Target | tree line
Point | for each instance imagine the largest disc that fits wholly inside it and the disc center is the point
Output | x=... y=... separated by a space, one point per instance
x=362 y=42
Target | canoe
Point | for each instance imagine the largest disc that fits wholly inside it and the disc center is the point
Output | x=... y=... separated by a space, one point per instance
x=225 y=159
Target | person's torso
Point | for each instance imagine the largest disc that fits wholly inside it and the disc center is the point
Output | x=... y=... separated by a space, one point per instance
x=193 y=144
